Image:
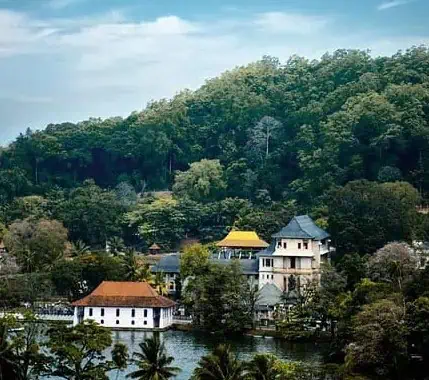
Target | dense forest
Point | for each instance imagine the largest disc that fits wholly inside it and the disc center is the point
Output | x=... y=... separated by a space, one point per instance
x=249 y=148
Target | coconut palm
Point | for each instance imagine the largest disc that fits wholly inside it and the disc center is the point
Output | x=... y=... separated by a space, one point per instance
x=159 y=284
x=144 y=273
x=262 y=367
x=131 y=265
x=79 y=248
x=153 y=361
x=116 y=245
x=120 y=357
x=221 y=364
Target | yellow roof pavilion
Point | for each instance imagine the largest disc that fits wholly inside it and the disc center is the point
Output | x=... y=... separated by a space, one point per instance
x=242 y=239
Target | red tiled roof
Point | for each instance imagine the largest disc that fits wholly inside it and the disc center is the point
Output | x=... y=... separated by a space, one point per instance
x=127 y=294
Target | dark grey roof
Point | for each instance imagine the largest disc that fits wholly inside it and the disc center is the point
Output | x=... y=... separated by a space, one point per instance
x=267 y=251
x=171 y=264
x=168 y=264
x=269 y=295
x=248 y=266
x=302 y=227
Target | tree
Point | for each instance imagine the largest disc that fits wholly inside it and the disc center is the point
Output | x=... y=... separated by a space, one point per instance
x=159 y=284
x=116 y=245
x=364 y=216
x=22 y=354
x=221 y=363
x=158 y=220
x=120 y=357
x=153 y=361
x=394 y=264
x=379 y=346
x=204 y=181
x=389 y=174
x=417 y=318
x=91 y=214
x=262 y=367
x=261 y=135
x=77 y=353
x=194 y=260
x=36 y=244
x=79 y=248
x=219 y=299
x=127 y=196
x=353 y=268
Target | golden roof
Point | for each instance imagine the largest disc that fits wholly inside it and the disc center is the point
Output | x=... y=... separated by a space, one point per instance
x=242 y=239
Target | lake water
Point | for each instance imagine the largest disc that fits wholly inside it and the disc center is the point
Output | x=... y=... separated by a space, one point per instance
x=188 y=347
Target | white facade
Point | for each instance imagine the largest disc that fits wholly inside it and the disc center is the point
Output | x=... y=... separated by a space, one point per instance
x=126 y=317
x=297 y=258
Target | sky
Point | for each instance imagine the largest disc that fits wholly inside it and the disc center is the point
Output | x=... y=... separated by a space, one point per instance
x=68 y=60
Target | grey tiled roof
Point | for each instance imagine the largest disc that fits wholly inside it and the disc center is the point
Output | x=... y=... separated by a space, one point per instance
x=248 y=266
x=168 y=264
x=302 y=227
x=171 y=264
x=267 y=251
x=269 y=295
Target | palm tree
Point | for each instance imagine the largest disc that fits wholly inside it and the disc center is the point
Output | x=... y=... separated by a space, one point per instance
x=145 y=274
x=120 y=357
x=28 y=259
x=262 y=367
x=131 y=265
x=79 y=248
x=221 y=364
x=116 y=245
x=159 y=284
x=153 y=361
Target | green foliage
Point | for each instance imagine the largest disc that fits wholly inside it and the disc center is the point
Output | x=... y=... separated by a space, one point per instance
x=153 y=361
x=364 y=216
x=36 y=244
x=222 y=363
x=219 y=299
x=204 y=181
x=77 y=353
x=379 y=346
x=91 y=214
x=194 y=260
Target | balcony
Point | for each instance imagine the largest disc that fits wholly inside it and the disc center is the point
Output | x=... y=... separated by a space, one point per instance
x=324 y=249
x=296 y=271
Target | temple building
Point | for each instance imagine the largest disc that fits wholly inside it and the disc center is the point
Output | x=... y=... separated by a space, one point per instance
x=132 y=305
x=240 y=244
x=294 y=256
x=292 y=260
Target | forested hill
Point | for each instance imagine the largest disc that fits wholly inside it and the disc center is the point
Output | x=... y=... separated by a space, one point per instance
x=343 y=117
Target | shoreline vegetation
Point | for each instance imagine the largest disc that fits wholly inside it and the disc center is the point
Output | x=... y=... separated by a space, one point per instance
x=343 y=139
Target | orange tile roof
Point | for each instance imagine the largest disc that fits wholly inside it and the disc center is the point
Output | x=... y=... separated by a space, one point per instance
x=242 y=239
x=127 y=294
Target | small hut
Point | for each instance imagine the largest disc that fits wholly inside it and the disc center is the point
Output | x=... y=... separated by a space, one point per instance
x=154 y=249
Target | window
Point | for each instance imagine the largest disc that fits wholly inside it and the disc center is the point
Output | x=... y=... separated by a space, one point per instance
x=171 y=286
x=145 y=322
x=284 y=245
x=279 y=244
x=102 y=321
x=102 y=312
x=145 y=313
x=299 y=245
x=133 y=313
x=90 y=311
x=267 y=262
x=118 y=312
x=133 y=323
x=305 y=245
x=293 y=262
x=117 y=322
x=272 y=277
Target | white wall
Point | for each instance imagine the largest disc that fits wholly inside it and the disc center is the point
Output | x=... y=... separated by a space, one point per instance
x=125 y=319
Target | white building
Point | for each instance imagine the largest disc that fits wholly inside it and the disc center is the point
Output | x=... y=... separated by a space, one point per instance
x=131 y=305
x=294 y=256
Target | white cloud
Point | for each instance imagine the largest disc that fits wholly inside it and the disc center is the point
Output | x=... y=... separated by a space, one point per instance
x=107 y=65
x=61 y=4
x=392 y=4
x=279 y=22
